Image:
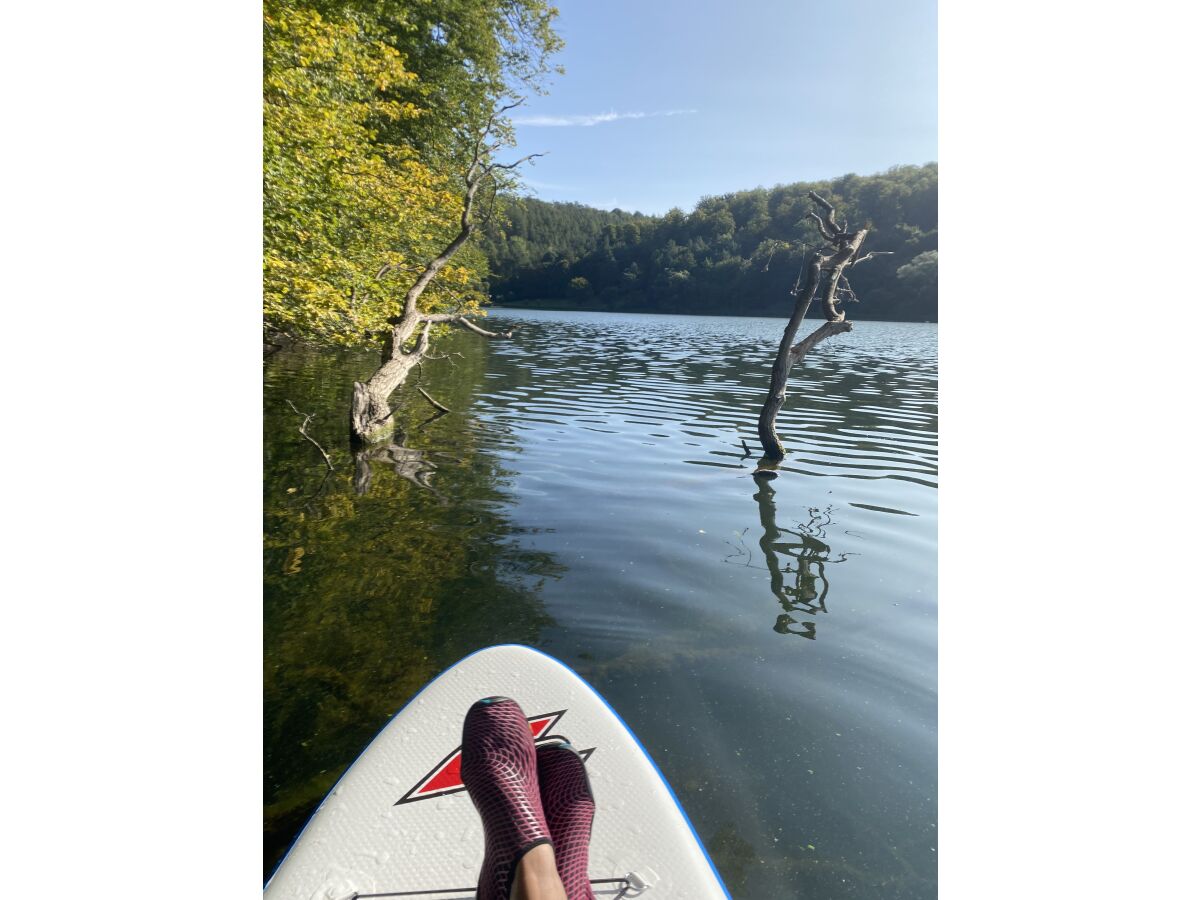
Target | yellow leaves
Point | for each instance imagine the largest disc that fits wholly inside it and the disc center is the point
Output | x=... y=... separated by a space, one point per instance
x=338 y=203
x=292 y=565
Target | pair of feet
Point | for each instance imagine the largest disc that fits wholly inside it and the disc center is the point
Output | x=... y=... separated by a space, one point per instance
x=527 y=796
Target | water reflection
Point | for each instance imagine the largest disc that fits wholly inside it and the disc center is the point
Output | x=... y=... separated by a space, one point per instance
x=411 y=464
x=373 y=580
x=796 y=559
x=614 y=444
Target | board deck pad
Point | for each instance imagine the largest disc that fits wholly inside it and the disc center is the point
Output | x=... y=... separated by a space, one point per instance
x=400 y=819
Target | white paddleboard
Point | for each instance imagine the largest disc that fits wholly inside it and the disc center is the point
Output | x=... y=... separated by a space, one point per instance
x=400 y=821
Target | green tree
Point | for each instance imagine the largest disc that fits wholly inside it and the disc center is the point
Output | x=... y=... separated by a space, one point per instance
x=370 y=110
x=921 y=273
x=338 y=205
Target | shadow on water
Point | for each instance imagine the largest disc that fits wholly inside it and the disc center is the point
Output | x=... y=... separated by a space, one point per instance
x=373 y=582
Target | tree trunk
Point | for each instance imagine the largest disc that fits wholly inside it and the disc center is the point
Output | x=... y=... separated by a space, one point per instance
x=370 y=410
x=777 y=393
x=831 y=260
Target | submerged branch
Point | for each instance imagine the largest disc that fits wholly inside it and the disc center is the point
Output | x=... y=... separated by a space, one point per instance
x=304 y=431
x=434 y=403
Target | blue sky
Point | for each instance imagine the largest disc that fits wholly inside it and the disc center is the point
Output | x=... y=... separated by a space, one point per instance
x=666 y=101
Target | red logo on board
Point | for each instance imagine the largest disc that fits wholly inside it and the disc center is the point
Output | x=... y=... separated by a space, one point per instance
x=446 y=777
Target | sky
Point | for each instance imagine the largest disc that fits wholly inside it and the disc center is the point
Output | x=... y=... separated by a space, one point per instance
x=667 y=101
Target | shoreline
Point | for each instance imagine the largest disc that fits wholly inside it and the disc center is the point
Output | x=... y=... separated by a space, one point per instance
x=560 y=306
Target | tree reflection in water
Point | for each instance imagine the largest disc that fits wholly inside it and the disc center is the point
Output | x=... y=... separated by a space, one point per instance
x=796 y=559
x=410 y=464
x=378 y=574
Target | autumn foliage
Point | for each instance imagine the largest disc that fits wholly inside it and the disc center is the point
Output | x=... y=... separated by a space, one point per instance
x=362 y=157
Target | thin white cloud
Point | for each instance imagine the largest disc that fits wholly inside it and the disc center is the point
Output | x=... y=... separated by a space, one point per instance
x=587 y=121
x=545 y=185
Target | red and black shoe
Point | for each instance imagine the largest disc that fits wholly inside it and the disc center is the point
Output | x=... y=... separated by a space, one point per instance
x=570 y=808
x=499 y=769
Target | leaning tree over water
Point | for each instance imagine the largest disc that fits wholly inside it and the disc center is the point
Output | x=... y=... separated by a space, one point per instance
x=371 y=413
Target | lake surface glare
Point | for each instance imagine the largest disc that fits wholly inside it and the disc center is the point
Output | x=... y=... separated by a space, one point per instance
x=772 y=643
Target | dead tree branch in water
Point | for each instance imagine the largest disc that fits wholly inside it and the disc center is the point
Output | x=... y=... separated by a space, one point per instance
x=823 y=275
x=304 y=431
x=433 y=402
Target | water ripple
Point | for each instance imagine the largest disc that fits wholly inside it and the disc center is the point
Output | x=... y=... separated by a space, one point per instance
x=864 y=406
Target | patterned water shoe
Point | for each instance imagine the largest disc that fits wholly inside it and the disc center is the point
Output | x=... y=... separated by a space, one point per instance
x=499 y=769
x=570 y=808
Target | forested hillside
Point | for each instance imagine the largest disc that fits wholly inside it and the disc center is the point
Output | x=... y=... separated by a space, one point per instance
x=737 y=254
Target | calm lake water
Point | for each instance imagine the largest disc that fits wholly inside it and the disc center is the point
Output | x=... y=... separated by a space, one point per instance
x=773 y=644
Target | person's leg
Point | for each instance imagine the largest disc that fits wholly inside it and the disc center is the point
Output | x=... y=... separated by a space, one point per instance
x=537 y=876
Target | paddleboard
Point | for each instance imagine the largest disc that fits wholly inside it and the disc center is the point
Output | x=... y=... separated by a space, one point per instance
x=400 y=822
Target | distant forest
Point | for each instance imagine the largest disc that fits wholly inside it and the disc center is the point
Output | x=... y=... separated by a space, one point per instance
x=737 y=254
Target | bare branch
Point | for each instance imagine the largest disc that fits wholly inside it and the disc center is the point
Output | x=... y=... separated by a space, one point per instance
x=436 y=357
x=872 y=255
x=502 y=110
x=436 y=405
x=821 y=202
x=422 y=343
x=393 y=267
x=825 y=233
x=836 y=264
x=481 y=149
x=486 y=218
x=838 y=231
x=304 y=431
x=845 y=286
x=827 y=330
x=827 y=206
x=524 y=159
x=471 y=326
x=456 y=319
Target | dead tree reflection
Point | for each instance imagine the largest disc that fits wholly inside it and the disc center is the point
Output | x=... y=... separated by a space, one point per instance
x=796 y=559
x=412 y=465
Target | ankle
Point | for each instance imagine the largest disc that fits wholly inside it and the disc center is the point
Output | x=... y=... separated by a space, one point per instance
x=537 y=876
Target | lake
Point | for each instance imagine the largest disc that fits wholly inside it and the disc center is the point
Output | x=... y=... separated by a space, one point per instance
x=772 y=643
